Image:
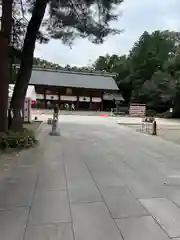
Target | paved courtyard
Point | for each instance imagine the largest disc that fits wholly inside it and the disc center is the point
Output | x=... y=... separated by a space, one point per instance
x=98 y=180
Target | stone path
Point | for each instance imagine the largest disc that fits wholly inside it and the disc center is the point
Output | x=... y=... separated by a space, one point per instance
x=96 y=181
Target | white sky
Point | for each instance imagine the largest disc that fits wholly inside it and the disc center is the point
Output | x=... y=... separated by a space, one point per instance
x=137 y=16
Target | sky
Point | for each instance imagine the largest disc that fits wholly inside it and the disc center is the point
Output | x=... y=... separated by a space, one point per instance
x=137 y=16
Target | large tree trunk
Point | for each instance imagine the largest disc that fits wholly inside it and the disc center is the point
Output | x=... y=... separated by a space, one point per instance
x=24 y=74
x=5 y=35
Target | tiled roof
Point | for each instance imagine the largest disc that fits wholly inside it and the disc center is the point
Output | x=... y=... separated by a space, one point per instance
x=62 y=78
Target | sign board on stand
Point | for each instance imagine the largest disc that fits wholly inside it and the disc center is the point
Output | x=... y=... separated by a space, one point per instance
x=137 y=110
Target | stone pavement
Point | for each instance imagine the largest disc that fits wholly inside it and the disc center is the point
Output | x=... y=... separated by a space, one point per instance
x=98 y=180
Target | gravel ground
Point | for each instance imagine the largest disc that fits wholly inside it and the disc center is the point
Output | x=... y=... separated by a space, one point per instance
x=167 y=132
x=33 y=126
x=170 y=134
x=97 y=180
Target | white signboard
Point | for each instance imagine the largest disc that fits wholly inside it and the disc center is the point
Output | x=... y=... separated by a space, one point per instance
x=111 y=96
x=27 y=110
x=84 y=99
x=96 y=99
x=68 y=98
x=52 y=97
x=39 y=96
x=137 y=110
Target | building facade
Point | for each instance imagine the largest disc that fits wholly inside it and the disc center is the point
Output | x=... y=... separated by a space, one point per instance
x=84 y=91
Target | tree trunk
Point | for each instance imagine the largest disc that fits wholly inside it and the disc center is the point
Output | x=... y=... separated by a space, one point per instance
x=24 y=74
x=5 y=35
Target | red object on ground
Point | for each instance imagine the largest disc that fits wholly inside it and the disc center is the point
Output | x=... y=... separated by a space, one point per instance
x=104 y=115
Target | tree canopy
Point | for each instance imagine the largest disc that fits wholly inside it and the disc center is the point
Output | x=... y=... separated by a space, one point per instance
x=32 y=20
x=150 y=73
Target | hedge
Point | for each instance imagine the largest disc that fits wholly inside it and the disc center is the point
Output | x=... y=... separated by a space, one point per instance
x=23 y=139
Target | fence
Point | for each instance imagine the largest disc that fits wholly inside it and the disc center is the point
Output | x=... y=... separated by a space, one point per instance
x=149 y=128
x=146 y=128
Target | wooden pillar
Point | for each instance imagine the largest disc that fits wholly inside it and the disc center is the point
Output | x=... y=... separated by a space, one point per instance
x=90 y=103
x=59 y=100
x=102 y=107
x=45 y=103
x=77 y=103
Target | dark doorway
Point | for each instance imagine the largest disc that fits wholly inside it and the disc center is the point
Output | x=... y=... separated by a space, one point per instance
x=84 y=105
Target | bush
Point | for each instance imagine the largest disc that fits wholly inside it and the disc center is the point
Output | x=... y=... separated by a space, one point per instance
x=19 y=140
x=166 y=114
x=149 y=119
x=150 y=113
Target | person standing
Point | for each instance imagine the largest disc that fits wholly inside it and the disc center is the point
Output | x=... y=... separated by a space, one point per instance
x=72 y=107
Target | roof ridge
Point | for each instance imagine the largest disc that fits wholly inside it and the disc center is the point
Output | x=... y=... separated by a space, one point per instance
x=69 y=71
x=95 y=73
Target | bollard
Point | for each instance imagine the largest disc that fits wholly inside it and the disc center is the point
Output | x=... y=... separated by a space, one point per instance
x=55 y=131
x=111 y=112
x=154 y=128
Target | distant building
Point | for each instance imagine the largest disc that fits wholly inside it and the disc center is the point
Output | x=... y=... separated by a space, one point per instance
x=85 y=90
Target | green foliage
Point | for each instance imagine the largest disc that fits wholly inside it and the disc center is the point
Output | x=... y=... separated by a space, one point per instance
x=66 y=19
x=150 y=73
x=70 y=19
x=18 y=140
x=149 y=119
x=166 y=114
x=150 y=113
